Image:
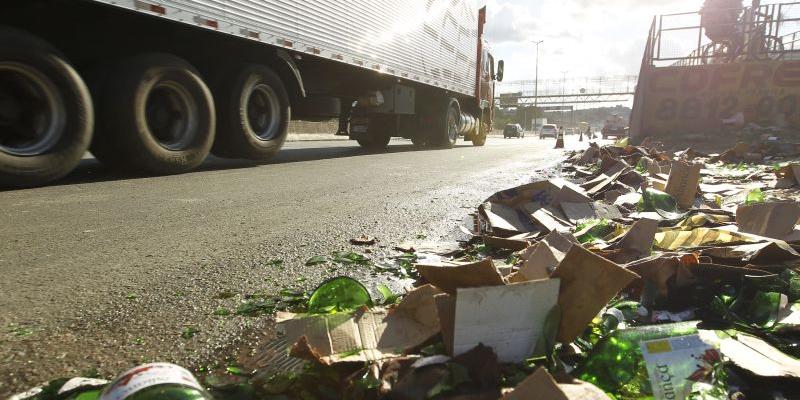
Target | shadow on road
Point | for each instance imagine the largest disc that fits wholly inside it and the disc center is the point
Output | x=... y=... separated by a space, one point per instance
x=90 y=170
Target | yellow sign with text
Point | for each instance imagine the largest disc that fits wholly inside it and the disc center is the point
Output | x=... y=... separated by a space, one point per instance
x=708 y=99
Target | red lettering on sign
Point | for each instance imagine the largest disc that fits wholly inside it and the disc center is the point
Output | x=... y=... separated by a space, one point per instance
x=788 y=74
x=725 y=75
x=756 y=76
x=694 y=79
x=666 y=74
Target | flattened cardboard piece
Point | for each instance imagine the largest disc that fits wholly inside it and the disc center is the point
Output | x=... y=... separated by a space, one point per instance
x=449 y=278
x=606 y=211
x=759 y=357
x=378 y=333
x=506 y=243
x=548 y=219
x=639 y=239
x=539 y=385
x=540 y=263
x=509 y=319
x=718 y=188
x=761 y=253
x=542 y=193
x=506 y=219
x=571 y=193
x=580 y=390
x=774 y=220
x=578 y=211
x=601 y=182
x=588 y=282
x=683 y=182
x=446 y=312
x=611 y=196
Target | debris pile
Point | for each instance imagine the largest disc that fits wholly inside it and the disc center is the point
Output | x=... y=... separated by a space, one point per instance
x=639 y=274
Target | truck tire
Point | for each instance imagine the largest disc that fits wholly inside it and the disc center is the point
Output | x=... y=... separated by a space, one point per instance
x=445 y=132
x=46 y=114
x=155 y=114
x=253 y=113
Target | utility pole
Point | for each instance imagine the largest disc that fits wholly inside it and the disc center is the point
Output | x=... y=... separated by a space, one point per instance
x=536 y=84
x=563 y=93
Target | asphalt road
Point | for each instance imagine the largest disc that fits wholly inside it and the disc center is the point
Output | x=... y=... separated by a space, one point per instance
x=103 y=271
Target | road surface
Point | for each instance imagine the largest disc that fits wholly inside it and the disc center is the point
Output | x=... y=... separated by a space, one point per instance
x=103 y=271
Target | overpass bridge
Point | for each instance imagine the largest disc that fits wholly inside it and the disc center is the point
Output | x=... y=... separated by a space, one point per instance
x=568 y=91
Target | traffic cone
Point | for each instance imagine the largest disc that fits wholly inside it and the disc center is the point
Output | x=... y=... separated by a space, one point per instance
x=560 y=140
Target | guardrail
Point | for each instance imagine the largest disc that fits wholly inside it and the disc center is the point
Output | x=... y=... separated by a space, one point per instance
x=767 y=32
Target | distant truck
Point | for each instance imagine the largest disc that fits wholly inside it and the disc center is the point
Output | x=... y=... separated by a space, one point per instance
x=615 y=126
x=153 y=86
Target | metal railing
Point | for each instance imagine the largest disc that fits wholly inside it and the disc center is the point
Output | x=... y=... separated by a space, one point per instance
x=767 y=32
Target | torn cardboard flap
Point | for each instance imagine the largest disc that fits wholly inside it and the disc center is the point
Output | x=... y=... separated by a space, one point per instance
x=541 y=386
x=683 y=182
x=449 y=278
x=509 y=319
x=367 y=335
x=588 y=282
x=606 y=178
x=639 y=239
x=549 y=219
x=774 y=220
x=758 y=356
x=540 y=262
x=560 y=241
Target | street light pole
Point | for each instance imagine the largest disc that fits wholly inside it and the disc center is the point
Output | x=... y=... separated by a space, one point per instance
x=536 y=83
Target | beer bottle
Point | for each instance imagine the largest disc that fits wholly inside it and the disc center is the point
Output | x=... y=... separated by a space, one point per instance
x=160 y=381
x=652 y=361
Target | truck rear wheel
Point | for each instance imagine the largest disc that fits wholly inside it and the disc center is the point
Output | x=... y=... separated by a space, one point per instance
x=446 y=131
x=253 y=113
x=156 y=115
x=46 y=114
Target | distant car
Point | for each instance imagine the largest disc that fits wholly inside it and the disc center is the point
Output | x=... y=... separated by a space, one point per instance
x=571 y=131
x=548 y=130
x=513 y=130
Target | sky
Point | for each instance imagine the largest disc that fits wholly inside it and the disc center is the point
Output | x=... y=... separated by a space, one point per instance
x=585 y=38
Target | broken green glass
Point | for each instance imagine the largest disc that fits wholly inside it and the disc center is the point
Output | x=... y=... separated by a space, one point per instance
x=338 y=294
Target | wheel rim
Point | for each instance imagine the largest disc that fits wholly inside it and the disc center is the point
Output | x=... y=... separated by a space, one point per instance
x=32 y=114
x=452 y=126
x=263 y=112
x=171 y=115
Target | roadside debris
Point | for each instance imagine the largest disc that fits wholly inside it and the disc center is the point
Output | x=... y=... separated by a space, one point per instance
x=638 y=275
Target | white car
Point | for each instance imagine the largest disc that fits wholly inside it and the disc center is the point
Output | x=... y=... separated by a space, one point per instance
x=548 y=130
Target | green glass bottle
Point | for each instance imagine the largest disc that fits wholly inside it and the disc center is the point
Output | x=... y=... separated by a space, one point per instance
x=160 y=381
x=648 y=362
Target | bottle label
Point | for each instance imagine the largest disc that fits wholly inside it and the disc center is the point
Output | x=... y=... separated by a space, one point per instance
x=674 y=364
x=146 y=376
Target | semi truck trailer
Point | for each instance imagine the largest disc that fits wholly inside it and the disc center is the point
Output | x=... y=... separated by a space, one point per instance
x=154 y=86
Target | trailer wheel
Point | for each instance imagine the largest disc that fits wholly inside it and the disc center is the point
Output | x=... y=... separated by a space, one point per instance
x=46 y=114
x=155 y=114
x=446 y=131
x=253 y=114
